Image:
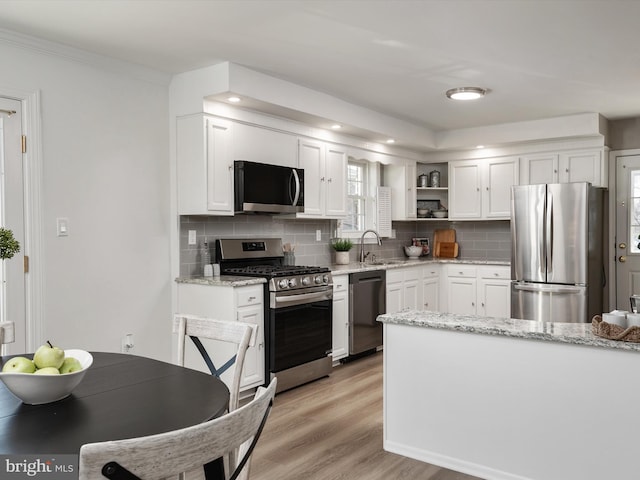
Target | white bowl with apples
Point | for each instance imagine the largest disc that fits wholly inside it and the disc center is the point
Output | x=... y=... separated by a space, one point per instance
x=51 y=375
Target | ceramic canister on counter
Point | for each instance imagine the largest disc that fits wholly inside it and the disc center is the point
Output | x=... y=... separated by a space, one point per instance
x=423 y=180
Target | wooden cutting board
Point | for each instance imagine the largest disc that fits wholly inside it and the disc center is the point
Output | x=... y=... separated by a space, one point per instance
x=448 y=249
x=440 y=236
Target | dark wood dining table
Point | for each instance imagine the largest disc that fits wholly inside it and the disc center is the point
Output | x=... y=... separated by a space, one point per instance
x=121 y=396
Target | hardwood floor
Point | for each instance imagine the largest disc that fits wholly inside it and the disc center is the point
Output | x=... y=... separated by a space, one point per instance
x=331 y=429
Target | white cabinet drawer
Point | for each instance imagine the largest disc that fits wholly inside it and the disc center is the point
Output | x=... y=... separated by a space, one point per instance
x=340 y=283
x=496 y=271
x=462 y=271
x=431 y=271
x=395 y=275
x=247 y=296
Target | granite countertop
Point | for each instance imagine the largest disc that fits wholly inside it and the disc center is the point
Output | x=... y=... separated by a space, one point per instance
x=575 y=333
x=222 y=281
x=355 y=267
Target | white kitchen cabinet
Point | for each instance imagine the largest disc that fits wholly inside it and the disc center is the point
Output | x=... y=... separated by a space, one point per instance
x=583 y=166
x=244 y=304
x=204 y=166
x=404 y=289
x=431 y=288
x=494 y=291
x=539 y=168
x=340 y=333
x=587 y=165
x=325 y=179
x=403 y=182
x=263 y=145
x=481 y=189
x=461 y=289
x=484 y=290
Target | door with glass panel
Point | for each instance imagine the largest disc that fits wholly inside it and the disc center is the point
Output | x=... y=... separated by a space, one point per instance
x=627 y=248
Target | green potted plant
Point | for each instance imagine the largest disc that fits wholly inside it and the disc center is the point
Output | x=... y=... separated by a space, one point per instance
x=9 y=246
x=342 y=247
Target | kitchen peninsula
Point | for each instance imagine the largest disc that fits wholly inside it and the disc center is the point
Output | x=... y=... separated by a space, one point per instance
x=510 y=399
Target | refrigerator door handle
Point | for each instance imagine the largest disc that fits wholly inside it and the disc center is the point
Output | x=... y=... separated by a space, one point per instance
x=547 y=288
x=549 y=232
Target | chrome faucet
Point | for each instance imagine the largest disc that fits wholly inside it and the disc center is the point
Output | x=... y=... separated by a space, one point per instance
x=362 y=255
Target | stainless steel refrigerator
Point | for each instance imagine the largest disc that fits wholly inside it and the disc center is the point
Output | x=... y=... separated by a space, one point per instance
x=557 y=267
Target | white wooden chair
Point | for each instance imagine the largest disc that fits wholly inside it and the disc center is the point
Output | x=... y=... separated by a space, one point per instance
x=241 y=334
x=169 y=454
x=7 y=335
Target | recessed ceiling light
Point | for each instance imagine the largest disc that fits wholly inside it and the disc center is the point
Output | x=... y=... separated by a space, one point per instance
x=234 y=99
x=336 y=126
x=479 y=146
x=391 y=140
x=466 y=93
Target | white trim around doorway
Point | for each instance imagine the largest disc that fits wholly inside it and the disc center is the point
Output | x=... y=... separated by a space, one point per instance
x=33 y=178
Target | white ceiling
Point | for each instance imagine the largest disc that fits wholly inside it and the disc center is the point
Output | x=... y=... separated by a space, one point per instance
x=539 y=59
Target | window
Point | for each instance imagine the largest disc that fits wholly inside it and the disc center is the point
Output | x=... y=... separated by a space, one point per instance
x=362 y=180
x=356 y=197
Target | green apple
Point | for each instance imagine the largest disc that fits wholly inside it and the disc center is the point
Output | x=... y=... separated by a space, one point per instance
x=19 y=365
x=70 y=365
x=47 y=371
x=48 y=356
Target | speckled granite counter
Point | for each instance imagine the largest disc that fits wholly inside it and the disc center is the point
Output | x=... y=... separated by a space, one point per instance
x=356 y=267
x=576 y=333
x=222 y=281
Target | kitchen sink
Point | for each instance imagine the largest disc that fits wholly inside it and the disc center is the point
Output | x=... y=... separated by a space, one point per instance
x=386 y=262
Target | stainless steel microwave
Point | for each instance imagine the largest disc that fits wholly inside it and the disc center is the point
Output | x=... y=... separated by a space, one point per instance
x=264 y=188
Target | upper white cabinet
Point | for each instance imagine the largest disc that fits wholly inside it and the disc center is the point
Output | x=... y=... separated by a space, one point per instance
x=204 y=166
x=481 y=189
x=262 y=145
x=403 y=182
x=325 y=179
x=587 y=165
x=583 y=166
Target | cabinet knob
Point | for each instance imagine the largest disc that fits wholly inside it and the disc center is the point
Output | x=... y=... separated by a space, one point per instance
x=329 y=180
x=251 y=299
x=555 y=170
x=478 y=189
x=482 y=304
x=566 y=170
x=487 y=189
x=322 y=179
x=426 y=304
x=230 y=167
x=473 y=304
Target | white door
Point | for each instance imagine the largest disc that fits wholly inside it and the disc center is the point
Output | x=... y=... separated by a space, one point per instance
x=627 y=248
x=494 y=297
x=12 y=275
x=499 y=175
x=461 y=294
x=311 y=158
x=538 y=169
x=465 y=197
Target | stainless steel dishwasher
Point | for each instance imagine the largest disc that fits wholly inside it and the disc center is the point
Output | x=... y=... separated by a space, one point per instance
x=367 y=300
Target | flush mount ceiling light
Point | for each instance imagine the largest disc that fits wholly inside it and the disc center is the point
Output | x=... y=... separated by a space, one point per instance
x=466 y=93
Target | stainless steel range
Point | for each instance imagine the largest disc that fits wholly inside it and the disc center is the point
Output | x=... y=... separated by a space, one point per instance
x=298 y=314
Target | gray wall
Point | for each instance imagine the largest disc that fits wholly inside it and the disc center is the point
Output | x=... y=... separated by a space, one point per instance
x=624 y=134
x=478 y=240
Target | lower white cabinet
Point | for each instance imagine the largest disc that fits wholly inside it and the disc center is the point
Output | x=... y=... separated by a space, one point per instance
x=404 y=289
x=340 y=317
x=494 y=291
x=243 y=304
x=431 y=288
x=482 y=290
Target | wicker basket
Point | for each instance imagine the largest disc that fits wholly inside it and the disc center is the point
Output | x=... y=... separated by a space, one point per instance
x=614 y=332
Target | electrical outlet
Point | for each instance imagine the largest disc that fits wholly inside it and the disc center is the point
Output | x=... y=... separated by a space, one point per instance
x=127 y=343
x=192 y=237
x=318 y=235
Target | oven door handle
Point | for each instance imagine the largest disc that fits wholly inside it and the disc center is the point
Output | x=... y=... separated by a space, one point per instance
x=301 y=298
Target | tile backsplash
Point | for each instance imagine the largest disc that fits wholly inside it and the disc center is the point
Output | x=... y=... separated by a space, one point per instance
x=489 y=240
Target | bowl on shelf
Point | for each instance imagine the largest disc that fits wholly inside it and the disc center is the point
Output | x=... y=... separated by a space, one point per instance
x=413 y=251
x=37 y=389
x=423 y=212
x=440 y=213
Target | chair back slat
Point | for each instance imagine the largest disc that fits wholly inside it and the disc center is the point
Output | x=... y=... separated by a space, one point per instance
x=168 y=454
x=243 y=335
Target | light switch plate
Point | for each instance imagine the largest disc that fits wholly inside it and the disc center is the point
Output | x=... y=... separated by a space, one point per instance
x=192 y=237
x=318 y=235
x=62 y=227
